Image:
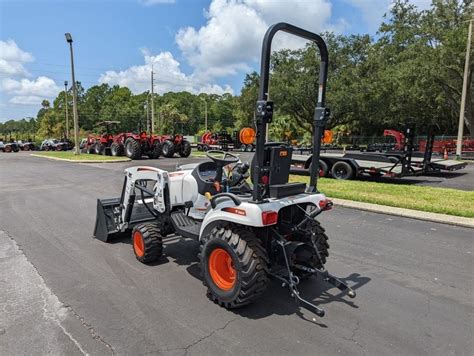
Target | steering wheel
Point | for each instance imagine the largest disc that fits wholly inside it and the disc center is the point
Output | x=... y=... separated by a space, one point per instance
x=225 y=159
x=221 y=159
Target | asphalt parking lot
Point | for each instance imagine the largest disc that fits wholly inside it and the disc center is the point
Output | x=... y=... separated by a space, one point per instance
x=66 y=293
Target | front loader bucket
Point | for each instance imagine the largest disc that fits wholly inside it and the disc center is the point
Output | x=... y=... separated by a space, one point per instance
x=106 y=222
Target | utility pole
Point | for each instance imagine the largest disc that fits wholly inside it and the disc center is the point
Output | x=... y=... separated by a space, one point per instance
x=147 y=109
x=74 y=98
x=464 y=93
x=205 y=113
x=65 y=105
x=152 y=102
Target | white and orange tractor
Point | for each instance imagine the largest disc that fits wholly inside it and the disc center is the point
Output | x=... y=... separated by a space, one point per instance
x=248 y=232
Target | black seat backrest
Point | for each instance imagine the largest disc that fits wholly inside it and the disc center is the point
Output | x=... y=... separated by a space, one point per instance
x=277 y=162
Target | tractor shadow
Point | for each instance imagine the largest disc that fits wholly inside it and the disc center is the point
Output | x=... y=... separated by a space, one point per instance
x=276 y=300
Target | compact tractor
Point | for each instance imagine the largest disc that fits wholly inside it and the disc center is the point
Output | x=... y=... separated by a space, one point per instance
x=172 y=144
x=248 y=233
x=134 y=145
x=9 y=147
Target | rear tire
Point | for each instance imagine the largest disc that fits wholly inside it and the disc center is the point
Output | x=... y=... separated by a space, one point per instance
x=147 y=242
x=133 y=149
x=168 y=149
x=156 y=150
x=117 y=149
x=342 y=170
x=185 y=150
x=233 y=266
x=7 y=149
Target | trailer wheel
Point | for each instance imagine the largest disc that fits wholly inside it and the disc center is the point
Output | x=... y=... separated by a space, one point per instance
x=205 y=148
x=185 y=150
x=156 y=150
x=133 y=149
x=233 y=266
x=323 y=168
x=168 y=149
x=342 y=170
x=117 y=149
x=199 y=148
x=147 y=242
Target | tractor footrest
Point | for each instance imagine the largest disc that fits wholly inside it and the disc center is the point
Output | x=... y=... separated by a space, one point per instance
x=185 y=226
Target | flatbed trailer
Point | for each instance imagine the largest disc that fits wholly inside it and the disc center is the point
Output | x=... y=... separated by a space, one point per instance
x=387 y=164
x=352 y=165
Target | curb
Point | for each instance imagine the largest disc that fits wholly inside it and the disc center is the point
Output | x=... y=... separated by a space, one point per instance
x=82 y=161
x=407 y=213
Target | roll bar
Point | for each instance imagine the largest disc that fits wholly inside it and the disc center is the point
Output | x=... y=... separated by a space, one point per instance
x=264 y=109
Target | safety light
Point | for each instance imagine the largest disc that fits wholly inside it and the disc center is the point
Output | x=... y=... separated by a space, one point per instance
x=269 y=217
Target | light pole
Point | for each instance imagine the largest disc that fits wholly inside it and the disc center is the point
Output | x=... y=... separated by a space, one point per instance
x=464 y=93
x=74 y=97
x=205 y=113
x=65 y=105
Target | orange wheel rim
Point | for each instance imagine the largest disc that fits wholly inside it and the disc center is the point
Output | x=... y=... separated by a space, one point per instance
x=222 y=269
x=138 y=244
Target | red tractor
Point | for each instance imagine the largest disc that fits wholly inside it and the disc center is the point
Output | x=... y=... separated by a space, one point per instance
x=100 y=144
x=134 y=146
x=172 y=144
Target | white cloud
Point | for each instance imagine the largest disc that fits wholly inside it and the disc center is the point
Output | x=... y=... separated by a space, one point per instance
x=41 y=86
x=12 y=58
x=27 y=100
x=168 y=77
x=233 y=34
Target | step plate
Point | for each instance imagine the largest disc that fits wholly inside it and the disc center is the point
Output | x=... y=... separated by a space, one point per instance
x=185 y=226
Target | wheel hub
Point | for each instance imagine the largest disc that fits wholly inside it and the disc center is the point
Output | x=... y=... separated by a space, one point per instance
x=221 y=269
x=138 y=244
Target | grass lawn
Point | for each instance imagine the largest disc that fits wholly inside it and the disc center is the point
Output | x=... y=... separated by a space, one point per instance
x=81 y=157
x=431 y=199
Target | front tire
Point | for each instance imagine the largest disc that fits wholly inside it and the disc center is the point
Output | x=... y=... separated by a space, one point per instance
x=156 y=150
x=168 y=149
x=99 y=148
x=185 y=150
x=133 y=149
x=233 y=266
x=147 y=242
x=117 y=149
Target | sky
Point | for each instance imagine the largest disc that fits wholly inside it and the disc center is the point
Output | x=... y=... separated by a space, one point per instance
x=193 y=45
